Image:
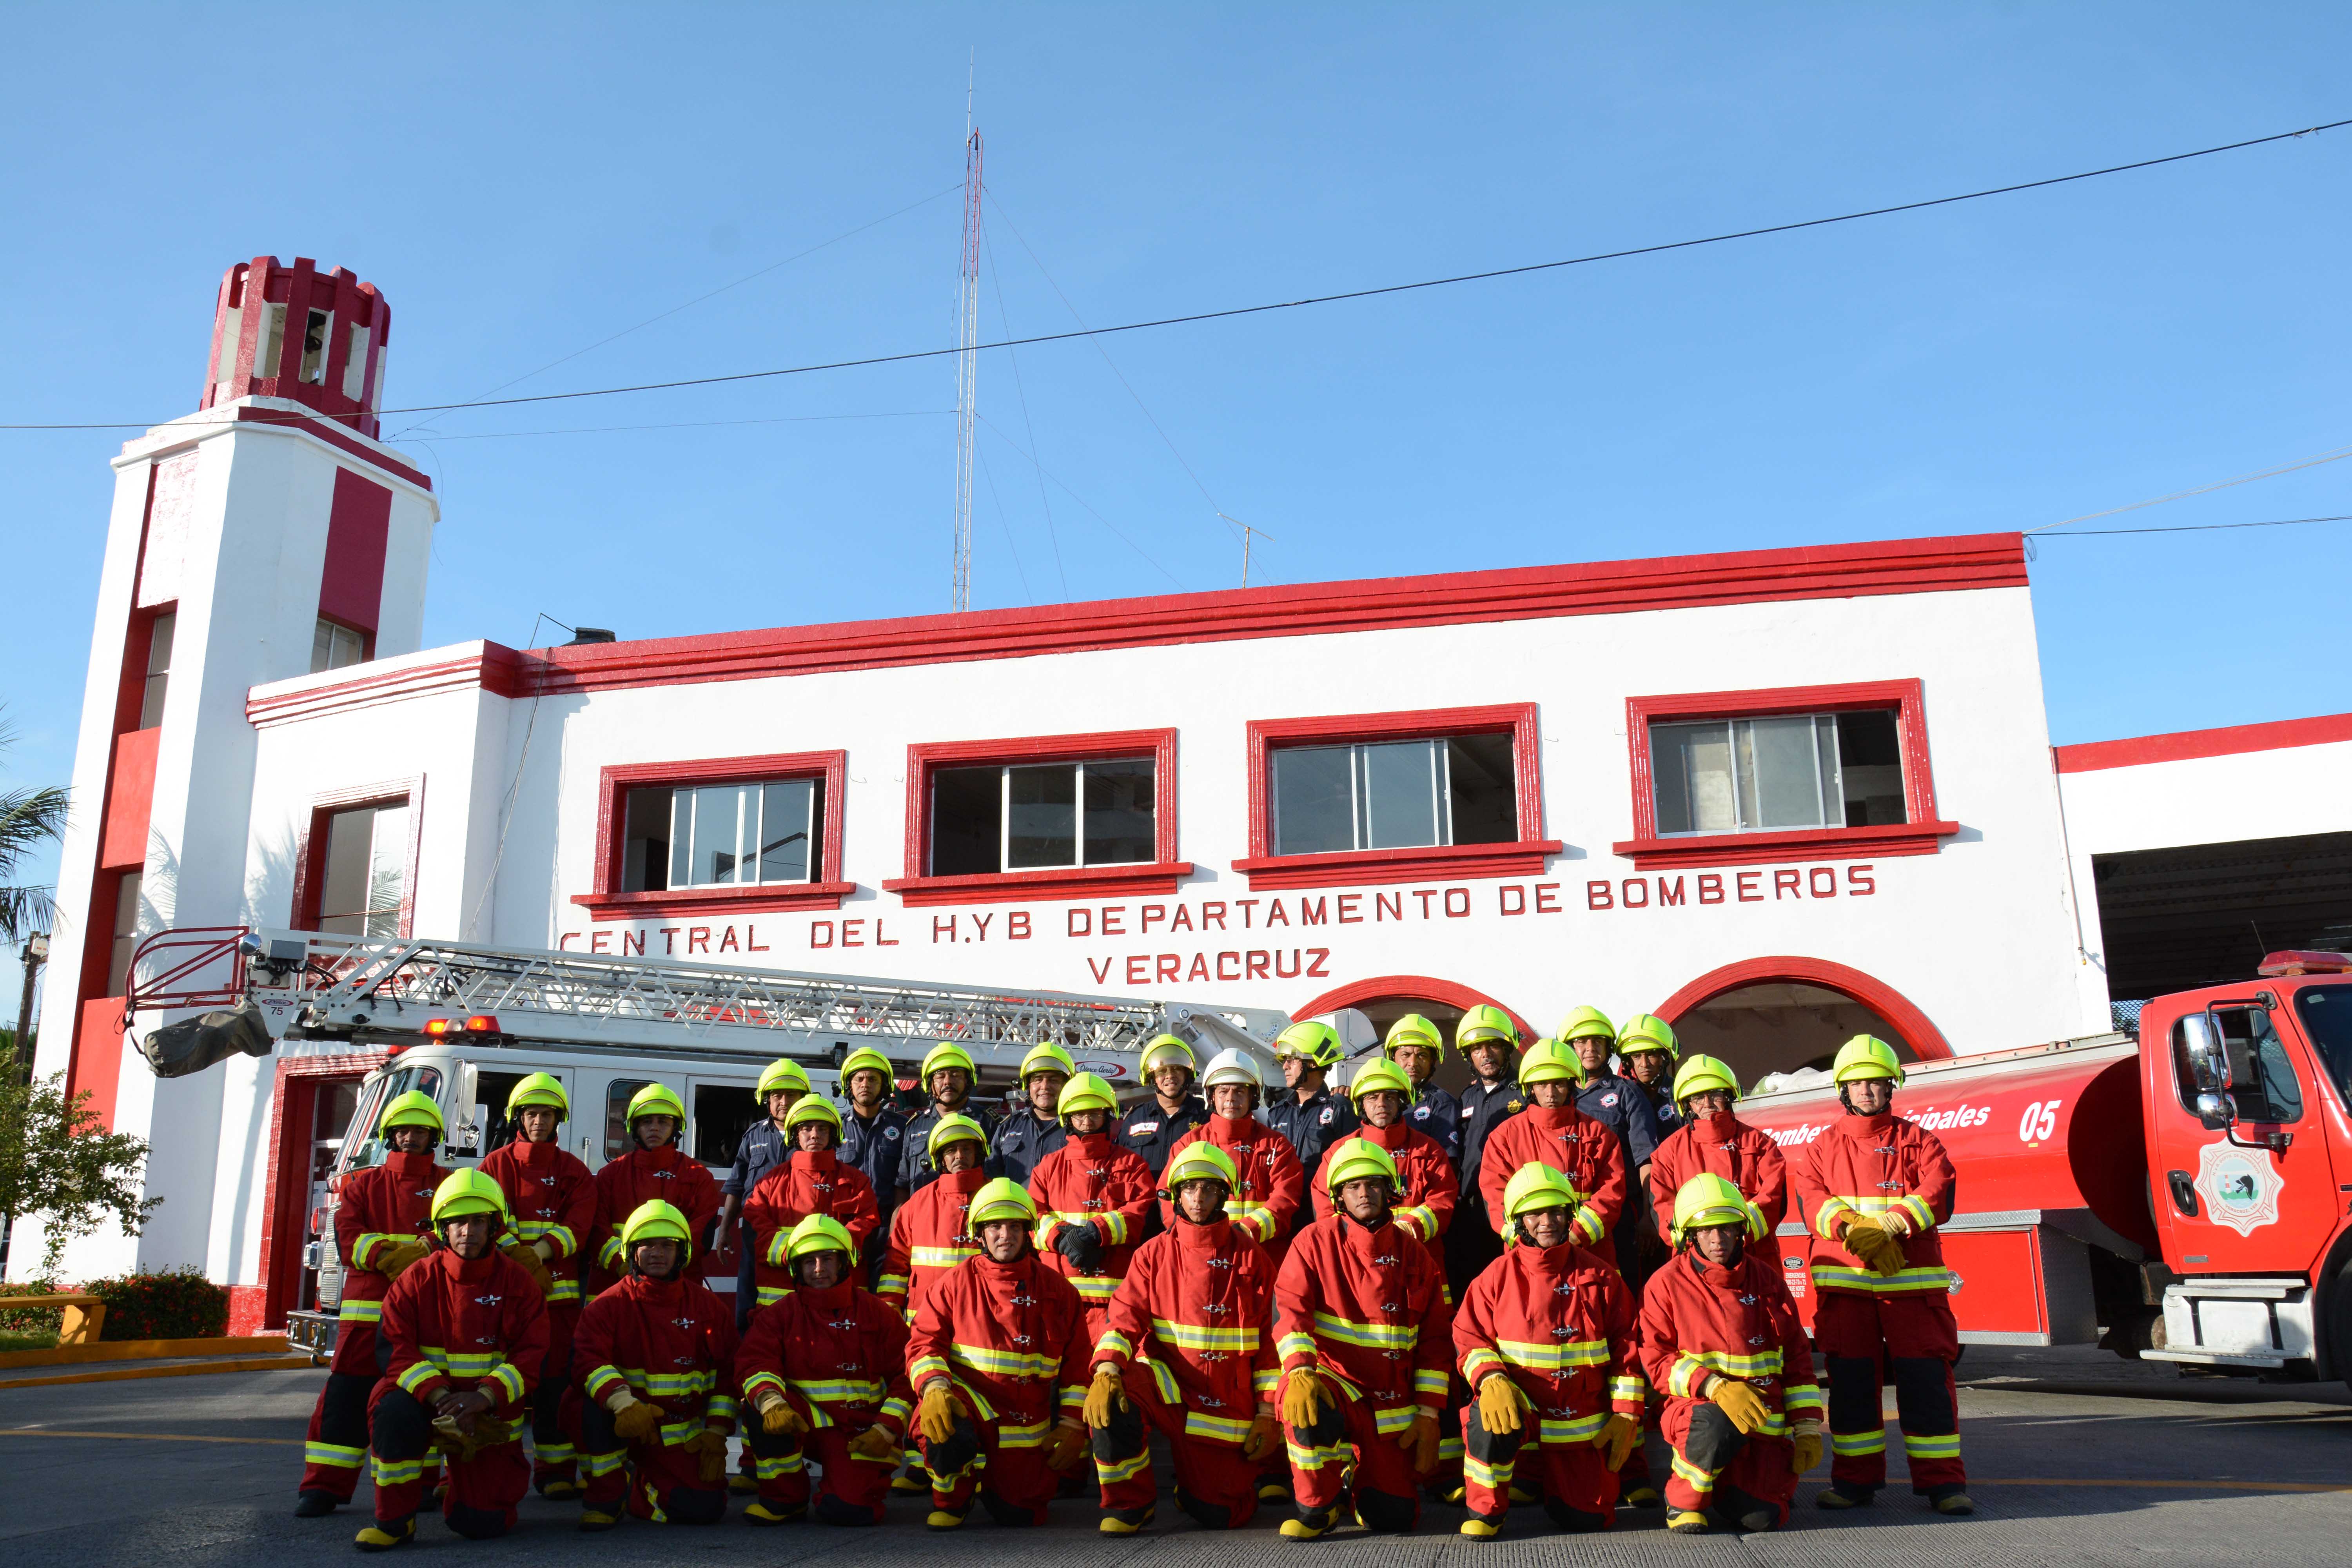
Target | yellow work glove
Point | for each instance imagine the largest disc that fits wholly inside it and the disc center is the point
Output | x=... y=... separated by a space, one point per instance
x=777 y=1415
x=1263 y=1434
x=1302 y=1399
x=709 y=1448
x=633 y=1419
x=1066 y=1447
x=1868 y=1238
x=876 y=1443
x=935 y=1415
x=1740 y=1402
x=1104 y=1395
x=1420 y=1440
x=1807 y=1440
x=489 y=1433
x=1618 y=1437
x=528 y=1260
x=395 y=1257
x=1501 y=1406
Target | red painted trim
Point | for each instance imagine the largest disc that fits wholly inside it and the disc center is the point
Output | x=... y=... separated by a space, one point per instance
x=1924 y=1039
x=315 y=425
x=284 y=1190
x=1524 y=858
x=1161 y=875
x=97 y=1067
x=358 y=530
x=484 y=665
x=300 y=289
x=129 y=797
x=1385 y=985
x=604 y=901
x=2091 y=756
x=310 y=848
x=1922 y=834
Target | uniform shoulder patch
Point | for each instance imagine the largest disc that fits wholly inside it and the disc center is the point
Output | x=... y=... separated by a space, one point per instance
x=1327 y=1114
x=890 y=1132
x=1421 y=1113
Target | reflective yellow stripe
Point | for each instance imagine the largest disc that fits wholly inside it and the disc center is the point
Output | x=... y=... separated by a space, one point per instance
x=1113 y=1342
x=1479 y=1363
x=1431 y=1380
x=508 y=1378
x=1218 y=1429
x=1264 y=1382
x=1871 y=1442
x=924 y=1368
x=1202 y=1337
x=1011 y=1436
x=1825 y=1217
x=761 y=1380
x=1590 y=1223
x=1377 y=1336
x=600 y=1381
x=1802 y=1396
x=1295 y=1344
x=1388 y=1423
x=841 y=1390
x=1420 y=1219
x=1632 y=1389
x=1575 y=1429
x=1557 y=1357
x=1832 y=1277
x=1766 y=1363
x=941 y=1257
x=333 y=1454
x=1697 y=1479
x=1945 y=1447
x=1111 y=1472
x=1004 y=1363
x=1096 y=1288
x=1163 y=1380
x=352 y=1312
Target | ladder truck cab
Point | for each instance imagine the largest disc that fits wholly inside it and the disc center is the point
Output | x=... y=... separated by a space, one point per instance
x=2179 y=1194
x=464 y=1024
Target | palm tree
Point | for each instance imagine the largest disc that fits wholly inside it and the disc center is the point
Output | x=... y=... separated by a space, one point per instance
x=28 y=817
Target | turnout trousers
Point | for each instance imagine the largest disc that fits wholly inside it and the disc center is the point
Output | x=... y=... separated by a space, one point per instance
x=1910 y=1340
x=654 y=1479
x=555 y=1452
x=1354 y=1434
x=483 y=1491
x=1003 y=1465
x=850 y=1488
x=1716 y=1465
x=1568 y=1471
x=337 y=1442
x=1214 y=1484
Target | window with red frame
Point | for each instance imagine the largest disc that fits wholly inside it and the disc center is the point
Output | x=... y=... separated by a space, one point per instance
x=1778 y=772
x=364 y=877
x=1036 y=816
x=1393 y=794
x=754 y=832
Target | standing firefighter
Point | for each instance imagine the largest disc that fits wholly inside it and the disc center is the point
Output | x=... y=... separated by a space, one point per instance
x=1093 y=1198
x=998 y=1359
x=1187 y=1351
x=1545 y=1338
x=1152 y=1129
x=1366 y=1352
x=1720 y=1335
x=1415 y=1046
x=1624 y=1107
x=930 y=1234
x=947 y=1076
x=653 y=1170
x=1033 y=1128
x=1487 y=1040
x=383 y=1223
x=1875 y=1186
x=1647 y=1047
x=825 y=1369
x=1552 y=1131
x=466 y=1329
x=658 y=1351
x=765 y=1145
x=873 y=1132
x=553 y=1199
x=1709 y=1139
x=1307 y=1111
x=1269 y=1182
x=813 y=1179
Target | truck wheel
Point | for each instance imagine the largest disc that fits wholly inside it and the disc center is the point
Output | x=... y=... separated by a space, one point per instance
x=2335 y=1315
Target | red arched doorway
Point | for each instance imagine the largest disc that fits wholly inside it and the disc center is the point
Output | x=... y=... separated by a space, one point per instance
x=1385 y=998
x=1778 y=1014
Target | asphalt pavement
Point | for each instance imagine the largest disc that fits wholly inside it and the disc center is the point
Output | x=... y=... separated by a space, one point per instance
x=2074 y=1458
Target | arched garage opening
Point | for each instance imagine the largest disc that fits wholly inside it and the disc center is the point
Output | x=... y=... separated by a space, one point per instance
x=1383 y=999
x=1779 y=1015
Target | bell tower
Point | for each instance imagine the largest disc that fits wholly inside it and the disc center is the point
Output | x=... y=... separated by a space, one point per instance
x=295 y=332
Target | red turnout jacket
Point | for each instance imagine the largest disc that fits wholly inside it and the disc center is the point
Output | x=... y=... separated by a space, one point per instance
x=455 y=1325
x=1876 y=1164
x=1699 y=1321
x=1719 y=1146
x=1584 y=1150
x=670 y=1342
x=639 y=1176
x=1098 y=1181
x=553 y=1196
x=838 y=1355
x=807 y=1182
x=1272 y=1182
x=1196 y=1313
x=1368 y=1308
x=1013 y=1338
x=929 y=1236
x=1558 y=1322
x=374 y=1208
x=1425 y=1206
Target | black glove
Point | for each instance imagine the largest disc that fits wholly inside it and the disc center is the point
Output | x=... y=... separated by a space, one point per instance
x=1081 y=1244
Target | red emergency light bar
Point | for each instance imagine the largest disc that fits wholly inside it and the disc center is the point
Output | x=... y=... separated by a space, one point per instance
x=479 y=1023
x=2278 y=965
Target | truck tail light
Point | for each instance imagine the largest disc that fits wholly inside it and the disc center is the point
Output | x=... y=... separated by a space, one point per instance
x=482 y=1024
x=2296 y=961
x=437 y=1028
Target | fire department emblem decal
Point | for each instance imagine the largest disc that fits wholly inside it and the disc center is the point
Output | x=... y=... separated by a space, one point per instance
x=2239 y=1186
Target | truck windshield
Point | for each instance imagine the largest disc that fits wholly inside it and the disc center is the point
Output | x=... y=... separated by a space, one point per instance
x=2325 y=1012
x=361 y=1147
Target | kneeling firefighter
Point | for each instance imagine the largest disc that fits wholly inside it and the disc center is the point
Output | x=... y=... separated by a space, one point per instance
x=824 y=1365
x=1721 y=1336
x=1187 y=1351
x=658 y=1354
x=1545 y=1338
x=468 y=1402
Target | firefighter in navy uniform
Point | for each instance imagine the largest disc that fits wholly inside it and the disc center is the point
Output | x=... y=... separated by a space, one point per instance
x=947 y=1076
x=1875 y=1188
x=872 y=1135
x=1624 y=1106
x=1307 y=1113
x=1488 y=1040
x=1152 y=1127
x=1414 y=1044
x=383 y=1224
x=1032 y=1129
x=1647 y=1047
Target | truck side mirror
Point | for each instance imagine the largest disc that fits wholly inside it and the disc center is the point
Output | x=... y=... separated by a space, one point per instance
x=2209 y=1056
x=2214 y=1108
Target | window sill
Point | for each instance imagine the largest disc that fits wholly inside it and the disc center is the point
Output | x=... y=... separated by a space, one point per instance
x=755 y=901
x=1802 y=844
x=1436 y=863
x=1075 y=882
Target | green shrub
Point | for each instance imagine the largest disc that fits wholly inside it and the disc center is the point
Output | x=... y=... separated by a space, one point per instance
x=30 y=1319
x=175 y=1304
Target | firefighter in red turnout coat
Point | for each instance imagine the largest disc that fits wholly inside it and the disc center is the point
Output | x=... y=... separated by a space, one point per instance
x=467 y=1330
x=653 y=1170
x=998 y=1360
x=813 y=1179
x=1187 y=1351
x=1272 y=1182
x=1093 y=1197
x=1552 y=1131
x=823 y=1369
x=1709 y=1141
x=383 y=1225
x=1547 y=1344
x=553 y=1199
x=657 y=1358
x=1366 y=1352
x=1721 y=1337
x=1873 y=1188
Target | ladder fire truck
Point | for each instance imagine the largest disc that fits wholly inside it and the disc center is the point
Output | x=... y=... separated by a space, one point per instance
x=464 y=1022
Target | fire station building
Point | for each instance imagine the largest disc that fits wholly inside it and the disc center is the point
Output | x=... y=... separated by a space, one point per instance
x=1777 y=796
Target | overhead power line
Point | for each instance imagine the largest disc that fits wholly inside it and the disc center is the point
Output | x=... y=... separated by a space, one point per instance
x=2196 y=527
x=1239 y=310
x=2335 y=456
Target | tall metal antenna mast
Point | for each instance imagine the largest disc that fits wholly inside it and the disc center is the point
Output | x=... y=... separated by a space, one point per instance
x=968 y=360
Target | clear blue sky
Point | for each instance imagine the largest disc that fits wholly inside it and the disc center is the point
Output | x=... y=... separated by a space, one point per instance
x=522 y=185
